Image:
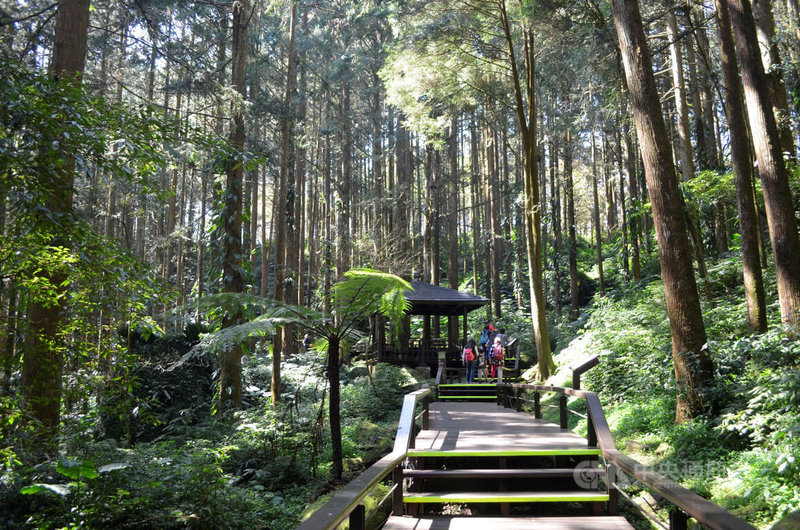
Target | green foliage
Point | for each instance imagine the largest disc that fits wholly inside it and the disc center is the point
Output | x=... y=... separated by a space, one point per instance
x=760 y=486
x=381 y=401
x=631 y=332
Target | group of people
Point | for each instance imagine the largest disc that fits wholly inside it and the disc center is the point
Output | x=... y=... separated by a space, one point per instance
x=486 y=355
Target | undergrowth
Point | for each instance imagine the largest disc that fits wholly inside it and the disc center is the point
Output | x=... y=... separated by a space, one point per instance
x=743 y=454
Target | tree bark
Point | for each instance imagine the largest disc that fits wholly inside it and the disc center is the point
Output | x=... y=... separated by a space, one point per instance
x=742 y=163
x=452 y=224
x=771 y=60
x=230 y=377
x=598 y=234
x=493 y=214
x=693 y=367
x=679 y=92
x=771 y=167
x=569 y=191
x=42 y=362
x=533 y=222
x=633 y=219
x=334 y=408
x=284 y=211
x=623 y=209
x=343 y=237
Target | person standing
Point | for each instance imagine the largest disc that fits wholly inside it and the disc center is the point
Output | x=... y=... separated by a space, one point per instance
x=501 y=333
x=496 y=356
x=469 y=357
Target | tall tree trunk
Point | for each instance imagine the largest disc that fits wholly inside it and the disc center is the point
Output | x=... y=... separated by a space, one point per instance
x=771 y=60
x=598 y=234
x=771 y=167
x=623 y=209
x=452 y=224
x=679 y=90
x=555 y=208
x=743 y=174
x=569 y=191
x=343 y=237
x=695 y=90
x=42 y=362
x=526 y=99
x=201 y=244
x=377 y=163
x=704 y=114
x=334 y=408
x=476 y=206
x=493 y=214
x=429 y=214
x=230 y=377
x=633 y=218
x=284 y=211
x=693 y=367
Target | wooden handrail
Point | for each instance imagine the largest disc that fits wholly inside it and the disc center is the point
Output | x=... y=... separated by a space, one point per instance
x=338 y=508
x=702 y=510
x=579 y=369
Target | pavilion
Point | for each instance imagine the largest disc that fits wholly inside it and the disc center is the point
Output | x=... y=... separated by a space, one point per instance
x=427 y=300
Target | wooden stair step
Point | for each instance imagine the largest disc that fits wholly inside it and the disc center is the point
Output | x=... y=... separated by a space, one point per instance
x=469 y=385
x=479 y=396
x=505 y=496
x=456 y=453
x=499 y=473
x=506 y=523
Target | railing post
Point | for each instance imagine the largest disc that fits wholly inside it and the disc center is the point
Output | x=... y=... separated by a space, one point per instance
x=398 y=508
x=426 y=407
x=518 y=399
x=591 y=434
x=358 y=518
x=613 y=493
x=562 y=408
x=678 y=520
x=537 y=406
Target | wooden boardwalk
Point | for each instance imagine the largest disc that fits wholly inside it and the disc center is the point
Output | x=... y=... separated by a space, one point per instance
x=478 y=434
x=485 y=428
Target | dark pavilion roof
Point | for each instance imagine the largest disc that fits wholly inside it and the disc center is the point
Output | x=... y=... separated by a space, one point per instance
x=429 y=299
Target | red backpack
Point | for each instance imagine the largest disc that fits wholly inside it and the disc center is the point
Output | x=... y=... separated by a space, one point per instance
x=469 y=355
x=497 y=352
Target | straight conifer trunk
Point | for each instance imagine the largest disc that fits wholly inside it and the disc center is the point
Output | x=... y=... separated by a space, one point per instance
x=230 y=384
x=693 y=368
x=681 y=107
x=452 y=224
x=743 y=174
x=771 y=167
x=42 y=362
x=598 y=234
x=533 y=219
x=569 y=191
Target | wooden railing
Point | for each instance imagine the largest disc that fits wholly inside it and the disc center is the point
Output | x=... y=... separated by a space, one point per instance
x=347 y=502
x=687 y=503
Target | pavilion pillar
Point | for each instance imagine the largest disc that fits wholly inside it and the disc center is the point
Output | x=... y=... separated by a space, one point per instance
x=405 y=333
x=452 y=330
x=465 y=326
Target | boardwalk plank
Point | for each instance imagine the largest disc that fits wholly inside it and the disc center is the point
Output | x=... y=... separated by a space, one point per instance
x=507 y=523
x=481 y=427
x=510 y=496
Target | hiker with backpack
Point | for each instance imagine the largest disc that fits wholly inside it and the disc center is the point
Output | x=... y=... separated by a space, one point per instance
x=470 y=358
x=486 y=341
x=497 y=355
